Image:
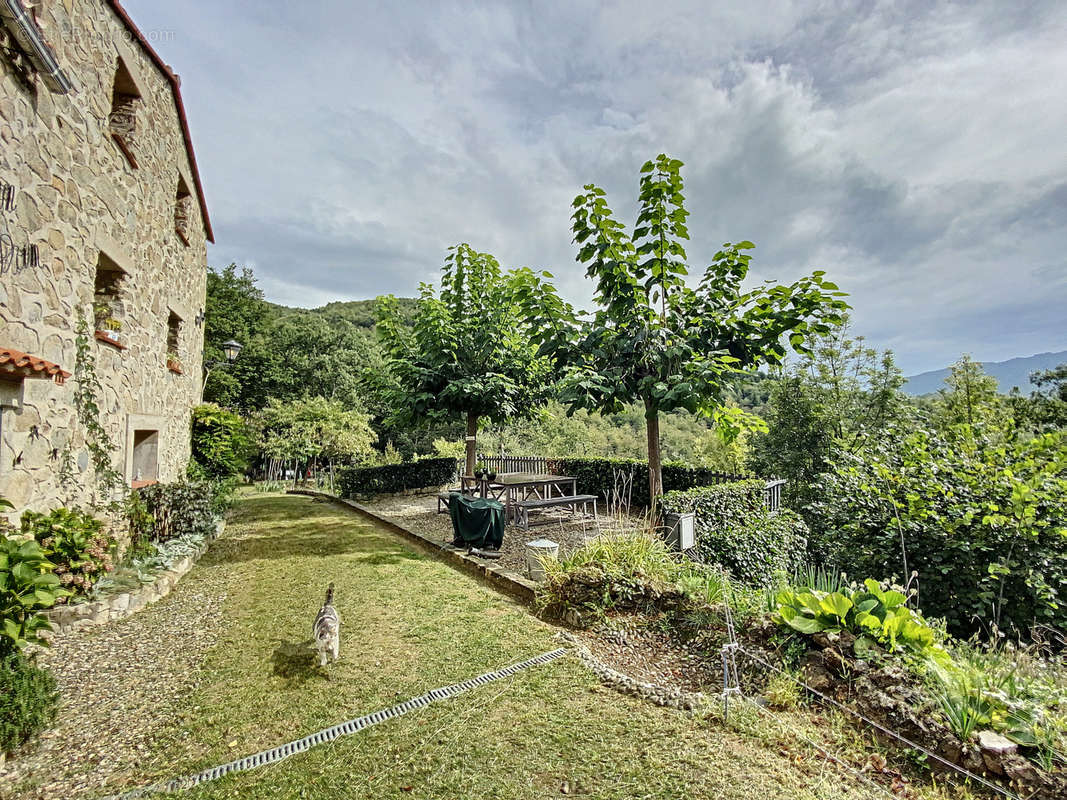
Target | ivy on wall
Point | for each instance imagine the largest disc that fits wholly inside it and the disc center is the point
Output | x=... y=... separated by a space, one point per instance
x=87 y=406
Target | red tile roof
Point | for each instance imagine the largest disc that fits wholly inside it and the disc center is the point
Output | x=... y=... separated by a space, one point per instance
x=175 y=85
x=18 y=365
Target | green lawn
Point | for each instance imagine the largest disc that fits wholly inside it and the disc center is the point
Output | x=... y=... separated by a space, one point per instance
x=410 y=623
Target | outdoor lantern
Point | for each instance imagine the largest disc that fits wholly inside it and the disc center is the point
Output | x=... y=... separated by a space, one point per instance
x=231 y=349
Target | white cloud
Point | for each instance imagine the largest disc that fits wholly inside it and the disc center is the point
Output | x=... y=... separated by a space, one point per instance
x=914 y=150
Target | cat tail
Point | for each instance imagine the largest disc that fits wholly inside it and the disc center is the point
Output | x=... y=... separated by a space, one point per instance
x=329 y=595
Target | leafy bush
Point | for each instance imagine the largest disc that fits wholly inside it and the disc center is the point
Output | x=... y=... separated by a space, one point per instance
x=28 y=700
x=734 y=529
x=175 y=510
x=879 y=613
x=364 y=481
x=75 y=542
x=27 y=587
x=222 y=443
x=982 y=522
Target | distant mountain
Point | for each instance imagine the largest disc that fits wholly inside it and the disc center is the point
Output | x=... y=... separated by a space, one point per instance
x=1013 y=372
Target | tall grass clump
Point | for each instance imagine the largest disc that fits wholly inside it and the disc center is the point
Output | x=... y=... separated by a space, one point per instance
x=625 y=572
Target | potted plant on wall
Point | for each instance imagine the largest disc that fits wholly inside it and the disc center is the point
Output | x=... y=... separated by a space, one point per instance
x=174 y=364
x=111 y=329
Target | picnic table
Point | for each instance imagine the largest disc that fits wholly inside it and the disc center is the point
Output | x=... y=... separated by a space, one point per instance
x=520 y=491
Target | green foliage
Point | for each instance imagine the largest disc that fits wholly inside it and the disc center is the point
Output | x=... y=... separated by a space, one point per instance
x=27 y=587
x=874 y=611
x=222 y=443
x=627 y=571
x=108 y=480
x=390 y=478
x=1016 y=692
x=655 y=339
x=837 y=397
x=315 y=428
x=174 y=510
x=734 y=529
x=969 y=399
x=75 y=542
x=601 y=476
x=1046 y=408
x=28 y=700
x=982 y=522
x=288 y=353
x=684 y=437
x=467 y=352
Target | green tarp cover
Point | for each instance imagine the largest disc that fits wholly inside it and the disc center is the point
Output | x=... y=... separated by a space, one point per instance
x=476 y=521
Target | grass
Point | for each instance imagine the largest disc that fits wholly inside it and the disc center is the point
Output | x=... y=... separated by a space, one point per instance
x=410 y=623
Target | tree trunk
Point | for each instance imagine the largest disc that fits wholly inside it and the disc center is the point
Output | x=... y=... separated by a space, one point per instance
x=472 y=442
x=655 y=466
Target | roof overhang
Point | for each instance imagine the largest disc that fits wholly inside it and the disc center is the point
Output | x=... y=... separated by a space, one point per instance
x=16 y=366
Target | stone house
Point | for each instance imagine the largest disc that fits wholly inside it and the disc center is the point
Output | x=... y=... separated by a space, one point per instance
x=103 y=230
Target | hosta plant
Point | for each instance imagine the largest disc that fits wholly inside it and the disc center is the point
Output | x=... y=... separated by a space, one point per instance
x=27 y=587
x=873 y=611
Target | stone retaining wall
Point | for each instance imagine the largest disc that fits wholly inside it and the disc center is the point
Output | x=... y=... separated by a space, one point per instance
x=67 y=618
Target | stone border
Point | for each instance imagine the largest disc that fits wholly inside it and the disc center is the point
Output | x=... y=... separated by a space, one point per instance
x=656 y=693
x=506 y=580
x=66 y=619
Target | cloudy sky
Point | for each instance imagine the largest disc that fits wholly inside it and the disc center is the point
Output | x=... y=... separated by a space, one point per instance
x=916 y=151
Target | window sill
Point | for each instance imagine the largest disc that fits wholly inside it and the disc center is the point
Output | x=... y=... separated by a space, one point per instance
x=182 y=236
x=125 y=148
x=142 y=484
x=103 y=337
x=175 y=368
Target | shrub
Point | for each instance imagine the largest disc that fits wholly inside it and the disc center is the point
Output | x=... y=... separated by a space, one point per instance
x=598 y=476
x=734 y=529
x=28 y=700
x=364 y=481
x=75 y=542
x=221 y=441
x=175 y=510
x=982 y=523
x=27 y=586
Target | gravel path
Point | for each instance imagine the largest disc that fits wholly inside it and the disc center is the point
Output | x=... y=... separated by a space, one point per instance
x=119 y=684
x=419 y=512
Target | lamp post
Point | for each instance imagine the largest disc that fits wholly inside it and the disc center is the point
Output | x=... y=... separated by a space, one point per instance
x=230 y=349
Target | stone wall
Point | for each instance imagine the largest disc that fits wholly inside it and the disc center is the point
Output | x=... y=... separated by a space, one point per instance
x=85 y=198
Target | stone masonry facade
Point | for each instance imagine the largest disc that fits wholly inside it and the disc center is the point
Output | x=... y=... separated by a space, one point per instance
x=121 y=231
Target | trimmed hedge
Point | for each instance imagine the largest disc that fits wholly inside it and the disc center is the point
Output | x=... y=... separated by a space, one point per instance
x=734 y=528
x=597 y=476
x=364 y=481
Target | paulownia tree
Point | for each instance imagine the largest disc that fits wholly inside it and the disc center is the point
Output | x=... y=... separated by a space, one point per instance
x=467 y=353
x=654 y=338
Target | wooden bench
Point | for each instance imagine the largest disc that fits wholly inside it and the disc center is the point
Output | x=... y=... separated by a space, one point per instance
x=523 y=507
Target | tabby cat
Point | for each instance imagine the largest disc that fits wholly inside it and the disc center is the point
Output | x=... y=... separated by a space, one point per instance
x=327 y=629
